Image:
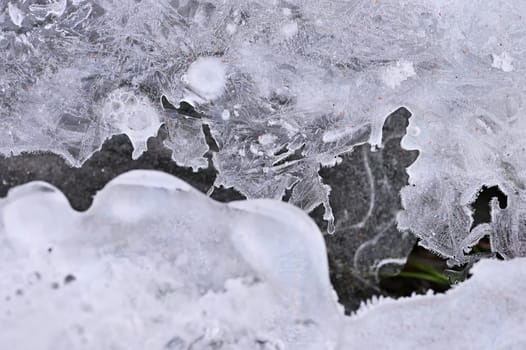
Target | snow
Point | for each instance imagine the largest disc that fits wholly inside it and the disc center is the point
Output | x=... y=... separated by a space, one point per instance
x=156 y=264
x=289 y=29
x=207 y=77
x=266 y=139
x=503 y=61
x=394 y=75
x=225 y=115
x=454 y=320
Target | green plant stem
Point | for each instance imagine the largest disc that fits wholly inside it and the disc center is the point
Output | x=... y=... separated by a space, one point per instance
x=426 y=268
x=440 y=280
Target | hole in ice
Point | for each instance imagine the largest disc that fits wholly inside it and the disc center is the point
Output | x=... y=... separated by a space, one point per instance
x=422 y=272
x=281 y=151
x=482 y=248
x=481 y=205
x=184 y=108
x=69 y=279
x=188 y=110
x=210 y=140
x=296 y=155
x=166 y=104
x=115 y=157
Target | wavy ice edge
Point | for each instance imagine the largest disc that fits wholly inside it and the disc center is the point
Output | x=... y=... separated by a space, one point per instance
x=156 y=264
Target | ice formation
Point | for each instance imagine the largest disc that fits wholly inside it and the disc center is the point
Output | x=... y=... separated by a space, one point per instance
x=206 y=78
x=317 y=77
x=154 y=264
x=125 y=113
x=484 y=312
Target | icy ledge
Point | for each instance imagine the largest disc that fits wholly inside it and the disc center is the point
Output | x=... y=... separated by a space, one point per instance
x=155 y=264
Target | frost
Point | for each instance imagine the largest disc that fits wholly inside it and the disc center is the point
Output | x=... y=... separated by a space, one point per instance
x=15 y=14
x=503 y=61
x=206 y=77
x=394 y=75
x=317 y=75
x=125 y=112
x=156 y=264
x=226 y=114
x=289 y=29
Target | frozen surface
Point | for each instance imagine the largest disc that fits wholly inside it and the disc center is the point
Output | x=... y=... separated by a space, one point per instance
x=206 y=78
x=125 y=113
x=154 y=264
x=286 y=87
x=485 y=312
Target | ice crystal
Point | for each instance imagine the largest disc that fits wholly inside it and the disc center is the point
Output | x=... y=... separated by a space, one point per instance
x=285 y=87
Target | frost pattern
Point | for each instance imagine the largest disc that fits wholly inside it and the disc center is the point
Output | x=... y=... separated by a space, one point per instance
x=156 y=264
x=286 y=87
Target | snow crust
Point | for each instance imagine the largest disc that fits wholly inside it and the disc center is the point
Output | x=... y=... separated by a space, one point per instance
x=156 y=264
x=484 y=312
x=301 y=71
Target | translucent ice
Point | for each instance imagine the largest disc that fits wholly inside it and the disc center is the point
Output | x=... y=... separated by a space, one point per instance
x=124 y=112
x=320 y=76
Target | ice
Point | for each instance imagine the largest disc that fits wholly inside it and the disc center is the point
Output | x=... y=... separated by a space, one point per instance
x=289 y=29
x=394 y=75
x=454 y=320
x=503 y=61
x=317 y=75
x=155 y=264
x=124 y=112
x=15 y=14
x=225 y=115
x=206 y=77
